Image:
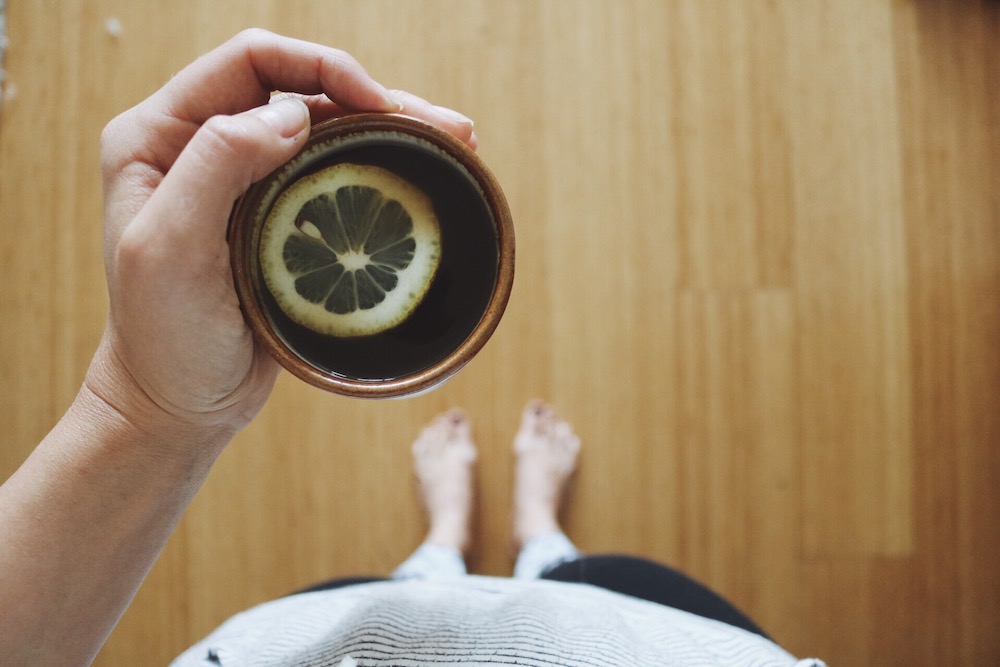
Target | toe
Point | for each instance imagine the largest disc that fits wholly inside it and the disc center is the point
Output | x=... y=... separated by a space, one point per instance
x=537 y=417
x=457 y=423
x=564 y=434
x=535 y=410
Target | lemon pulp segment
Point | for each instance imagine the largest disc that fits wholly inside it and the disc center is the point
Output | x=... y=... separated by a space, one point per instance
x=350 y=250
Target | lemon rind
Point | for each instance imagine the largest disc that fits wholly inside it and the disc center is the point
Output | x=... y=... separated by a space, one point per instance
x=414 y=280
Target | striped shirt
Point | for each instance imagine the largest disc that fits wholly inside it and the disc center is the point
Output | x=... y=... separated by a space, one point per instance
x=477 y=621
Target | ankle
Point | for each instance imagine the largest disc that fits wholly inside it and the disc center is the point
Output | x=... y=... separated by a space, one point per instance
x=528 y=528
x=450 y=531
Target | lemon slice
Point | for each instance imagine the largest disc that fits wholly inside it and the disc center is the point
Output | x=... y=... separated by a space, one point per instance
x=350 y=250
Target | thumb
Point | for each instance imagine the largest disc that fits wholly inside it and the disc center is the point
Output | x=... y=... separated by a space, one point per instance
x=224 y=157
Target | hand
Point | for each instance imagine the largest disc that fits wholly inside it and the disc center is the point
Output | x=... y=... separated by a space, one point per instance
x=177 y=351
x=177 y=372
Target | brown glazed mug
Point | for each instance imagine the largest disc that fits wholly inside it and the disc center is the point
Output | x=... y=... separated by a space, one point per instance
x=461 y=304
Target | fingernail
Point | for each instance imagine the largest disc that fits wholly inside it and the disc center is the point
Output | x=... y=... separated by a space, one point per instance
x=392 y=103
x=457 y=117
x=288 y=117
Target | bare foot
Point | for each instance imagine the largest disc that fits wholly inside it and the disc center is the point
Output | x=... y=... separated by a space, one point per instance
x=443 y=456
x=546 y=448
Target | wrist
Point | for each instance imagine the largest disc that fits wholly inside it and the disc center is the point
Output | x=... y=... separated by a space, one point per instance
x=114 y=400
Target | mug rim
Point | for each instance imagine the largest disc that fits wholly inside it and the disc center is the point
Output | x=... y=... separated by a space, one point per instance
x=243 y=257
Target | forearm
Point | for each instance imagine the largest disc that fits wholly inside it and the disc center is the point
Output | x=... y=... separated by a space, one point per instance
x=82 y=521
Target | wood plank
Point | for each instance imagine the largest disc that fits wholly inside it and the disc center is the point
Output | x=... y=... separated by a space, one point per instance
x=949 y=93
x=851 y=282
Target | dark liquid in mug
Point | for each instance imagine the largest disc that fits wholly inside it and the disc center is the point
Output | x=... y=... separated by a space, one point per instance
x=457 y=298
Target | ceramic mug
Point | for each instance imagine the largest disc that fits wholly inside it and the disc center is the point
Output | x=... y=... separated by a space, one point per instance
x=463 y=301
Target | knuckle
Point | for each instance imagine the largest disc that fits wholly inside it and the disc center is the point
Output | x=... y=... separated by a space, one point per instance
x=111 y=141
x=343 y=60
x=252 y=36
x=341 y=66
x=108 y=133
x=228 y=151
x=224 y=134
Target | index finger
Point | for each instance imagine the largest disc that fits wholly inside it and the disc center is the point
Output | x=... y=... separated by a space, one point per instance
x=243 y=72
x=235 y=77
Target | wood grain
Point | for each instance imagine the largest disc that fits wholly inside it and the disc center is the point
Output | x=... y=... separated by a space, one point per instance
x=758 y=268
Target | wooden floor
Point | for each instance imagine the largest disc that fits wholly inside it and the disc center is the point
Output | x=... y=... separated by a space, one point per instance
x=758 y=268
